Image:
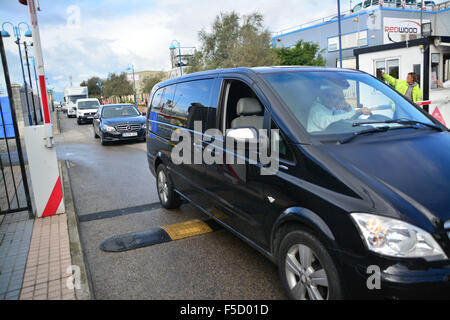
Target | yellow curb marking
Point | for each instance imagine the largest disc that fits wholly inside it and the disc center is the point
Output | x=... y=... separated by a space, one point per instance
x=187 y=229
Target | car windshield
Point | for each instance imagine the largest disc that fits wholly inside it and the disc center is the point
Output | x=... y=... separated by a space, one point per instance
x=124 y=111
x=85 y=105
x=331 y=103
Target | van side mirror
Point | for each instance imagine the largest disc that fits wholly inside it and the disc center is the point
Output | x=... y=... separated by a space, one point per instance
x=144 y=113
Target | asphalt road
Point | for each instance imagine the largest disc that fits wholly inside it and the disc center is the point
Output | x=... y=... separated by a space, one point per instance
x=217 y=265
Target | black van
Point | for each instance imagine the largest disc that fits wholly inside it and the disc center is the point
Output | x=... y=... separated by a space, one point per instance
x=358 y=205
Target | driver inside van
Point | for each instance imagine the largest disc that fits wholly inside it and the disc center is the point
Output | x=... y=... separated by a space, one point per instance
x=331 y=107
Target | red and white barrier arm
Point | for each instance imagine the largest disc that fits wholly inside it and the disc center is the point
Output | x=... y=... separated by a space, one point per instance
x=423 y=103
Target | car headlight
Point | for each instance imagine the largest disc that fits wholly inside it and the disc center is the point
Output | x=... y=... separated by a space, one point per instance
x=109 y=128
x=395 y=238
x=144 y=126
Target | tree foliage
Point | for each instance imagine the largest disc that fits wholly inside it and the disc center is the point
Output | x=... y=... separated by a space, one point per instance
x=302 y=54
x=150 y=81
x=117 y=85
x=93 y=88
x=234 y=41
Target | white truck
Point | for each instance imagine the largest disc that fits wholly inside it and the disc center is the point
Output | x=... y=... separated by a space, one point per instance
x=71 y=95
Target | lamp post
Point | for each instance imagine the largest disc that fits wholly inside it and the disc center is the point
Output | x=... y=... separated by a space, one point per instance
x=100 y=85
x=37 y=87
x=28 y=34
x=340 y=33
x=31 y=83
x=131 y=68
x=172 y=48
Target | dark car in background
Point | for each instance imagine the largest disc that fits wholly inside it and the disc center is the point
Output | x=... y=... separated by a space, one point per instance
x=119 y=122
x=359 y=206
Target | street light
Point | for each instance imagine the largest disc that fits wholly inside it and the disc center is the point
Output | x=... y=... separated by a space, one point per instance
x=28 y=34
x=27 y=64
x=100 y=85
x=172 y=48
x=340 y=33
x=131 y=68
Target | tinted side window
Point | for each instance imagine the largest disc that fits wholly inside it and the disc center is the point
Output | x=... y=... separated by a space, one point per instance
x=191 y=103
x=160 y=112
x=155 y=106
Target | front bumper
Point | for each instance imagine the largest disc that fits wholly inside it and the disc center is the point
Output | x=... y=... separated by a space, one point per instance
x=110 y=137
x=85 y=118
x=408 y=279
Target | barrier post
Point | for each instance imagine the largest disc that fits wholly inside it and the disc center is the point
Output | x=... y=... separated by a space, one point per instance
x=39 y=141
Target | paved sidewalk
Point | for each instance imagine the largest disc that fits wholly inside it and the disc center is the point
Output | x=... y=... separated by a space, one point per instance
x=48 y=266
x=15 y=236
x=34 y=258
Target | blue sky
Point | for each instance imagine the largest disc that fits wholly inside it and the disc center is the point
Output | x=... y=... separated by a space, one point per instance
x=107 y=35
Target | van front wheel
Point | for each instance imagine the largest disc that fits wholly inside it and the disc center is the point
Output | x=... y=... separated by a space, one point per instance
x=167 y=196
x=306 y=269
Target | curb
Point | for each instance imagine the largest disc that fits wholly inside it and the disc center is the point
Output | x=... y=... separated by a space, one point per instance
x=76 y=250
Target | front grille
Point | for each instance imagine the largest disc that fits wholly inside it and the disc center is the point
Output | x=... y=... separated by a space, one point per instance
x=447 y=227
x=128 y=127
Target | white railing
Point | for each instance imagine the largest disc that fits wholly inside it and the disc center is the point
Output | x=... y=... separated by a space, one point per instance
x=437 y=7
x=441 y=6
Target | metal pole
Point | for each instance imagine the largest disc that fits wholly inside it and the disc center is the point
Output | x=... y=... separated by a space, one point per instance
x=16 y=129
x=179 y=55
x=421 y=18
x=134 y=85
x=340 y=33
x=37 y=89
x=31 y=83
x=17 y=31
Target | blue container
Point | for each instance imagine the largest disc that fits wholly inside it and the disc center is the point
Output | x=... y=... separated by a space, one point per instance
x=7 y=117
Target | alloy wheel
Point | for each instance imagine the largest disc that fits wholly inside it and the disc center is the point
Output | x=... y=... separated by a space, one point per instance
x=306 y=277
x=163 y=188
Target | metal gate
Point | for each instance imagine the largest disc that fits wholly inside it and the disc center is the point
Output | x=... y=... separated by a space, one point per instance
x=14 y=189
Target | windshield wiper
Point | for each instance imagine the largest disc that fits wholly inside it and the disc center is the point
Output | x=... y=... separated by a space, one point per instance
x=372 y=130
x=401 y=121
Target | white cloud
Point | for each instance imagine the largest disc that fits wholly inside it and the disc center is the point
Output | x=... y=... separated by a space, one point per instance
x=109 y=41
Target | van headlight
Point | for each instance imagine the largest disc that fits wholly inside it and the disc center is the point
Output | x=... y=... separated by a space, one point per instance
x=395 y=238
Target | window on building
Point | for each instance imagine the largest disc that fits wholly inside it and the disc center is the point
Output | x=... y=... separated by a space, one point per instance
x=417 y=69
x=393 y=67
x=389 y=66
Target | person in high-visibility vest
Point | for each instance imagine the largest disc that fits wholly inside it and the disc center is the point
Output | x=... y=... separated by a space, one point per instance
x=446 y=84
x=409 y=87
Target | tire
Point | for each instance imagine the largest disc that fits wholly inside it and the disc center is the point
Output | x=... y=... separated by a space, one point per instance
x=103 y=142
x=167 y=196
x=313 y=277
x=96 y=136
x=78 y=121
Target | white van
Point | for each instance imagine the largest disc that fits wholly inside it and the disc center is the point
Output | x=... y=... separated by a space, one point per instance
x=86 y=109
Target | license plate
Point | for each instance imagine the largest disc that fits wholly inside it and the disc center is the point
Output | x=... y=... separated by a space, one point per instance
x=129 y=134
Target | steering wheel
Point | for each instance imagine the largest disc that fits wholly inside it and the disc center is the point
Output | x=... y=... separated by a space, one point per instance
x=358 y=115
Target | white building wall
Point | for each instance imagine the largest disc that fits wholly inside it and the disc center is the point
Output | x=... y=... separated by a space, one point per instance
x=407 y=58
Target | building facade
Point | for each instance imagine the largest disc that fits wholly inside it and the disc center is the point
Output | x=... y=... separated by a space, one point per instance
x=377 y=25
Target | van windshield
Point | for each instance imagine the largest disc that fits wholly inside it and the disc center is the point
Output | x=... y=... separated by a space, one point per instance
x=331 y=103
x=85 y=105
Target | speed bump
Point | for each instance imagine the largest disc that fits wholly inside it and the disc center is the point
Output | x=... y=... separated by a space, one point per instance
x=135 y=240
